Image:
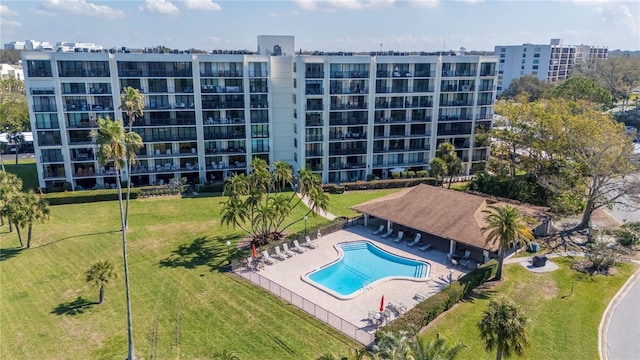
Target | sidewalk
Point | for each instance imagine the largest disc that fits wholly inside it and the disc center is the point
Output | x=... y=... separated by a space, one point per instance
x=322 y=213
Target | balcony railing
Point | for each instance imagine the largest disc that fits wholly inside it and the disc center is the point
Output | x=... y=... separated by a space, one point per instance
x=45 y=108
x=347 y=106
x=314 y=153
x=348 y=121
x=457 y=103
x=314 y=138
x=350 y=150
x=455 y=117
x=314 y=74
x=349 y=74
x=313 y=91
x=222 y=73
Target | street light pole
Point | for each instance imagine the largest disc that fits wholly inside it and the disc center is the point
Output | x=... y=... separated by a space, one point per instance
x=228 y=252
x=305 y=225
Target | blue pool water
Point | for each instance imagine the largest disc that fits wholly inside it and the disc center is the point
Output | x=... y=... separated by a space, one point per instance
x=361 y=265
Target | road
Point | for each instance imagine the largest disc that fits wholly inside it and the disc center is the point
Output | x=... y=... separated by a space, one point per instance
x=623 y=333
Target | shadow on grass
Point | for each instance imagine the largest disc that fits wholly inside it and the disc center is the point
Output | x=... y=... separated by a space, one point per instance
x=75 y=236
x=203 y=251
x=75 y=307
x=6 y=254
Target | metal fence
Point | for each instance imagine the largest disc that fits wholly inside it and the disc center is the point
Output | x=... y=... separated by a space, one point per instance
x=307 y=305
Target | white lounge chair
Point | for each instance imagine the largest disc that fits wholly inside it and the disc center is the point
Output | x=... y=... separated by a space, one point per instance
x=387 y=234
x=279 y=254
x=399 y=238
x=397 y=307
x=309 y=243
x=415 y=241
x=421 y=296
x=379 y=231
x=467 y=254
x=285 y=249
x=426 y=247
x=267 y=258
x=296 y=247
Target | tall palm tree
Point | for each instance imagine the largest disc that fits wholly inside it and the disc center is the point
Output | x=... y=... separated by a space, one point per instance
x=100 y=274
x=10 y=186
x=504 y=327
x=437 y=349
x=32 y=209
x=447 y=152
x=16 y=210
x=393 y=346
x=506 y=226
x=112 y=148
x=132 y=103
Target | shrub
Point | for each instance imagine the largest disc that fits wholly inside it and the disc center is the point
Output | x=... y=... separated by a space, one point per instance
x=629 y=234
x=395 y=175
x=211 y=188
x=411 y=174
x=67 y=186
x=600 y=255
x=422 y=173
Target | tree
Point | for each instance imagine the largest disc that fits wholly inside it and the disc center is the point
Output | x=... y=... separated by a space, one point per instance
x=258 y=205
x=572 y=149
x=114 y=146
x=504 y=327
x=616 y=74
x=10 y=56
x=506 y=226
x=14 y=119
x=582 y=88
x=437 y=168
x=528 y=85
x=101 y=274
x=393 y=345
x=447 y=152
x=224 y=355
x=26 y=209
x=10 y=186
x=437 y=349
x=133 y=105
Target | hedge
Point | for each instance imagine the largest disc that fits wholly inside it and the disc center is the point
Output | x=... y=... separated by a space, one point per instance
x=378 y=184
x=87 y=196
x=427 y=311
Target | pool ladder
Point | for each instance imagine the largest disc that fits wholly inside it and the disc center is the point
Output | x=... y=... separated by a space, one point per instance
x=367 y=286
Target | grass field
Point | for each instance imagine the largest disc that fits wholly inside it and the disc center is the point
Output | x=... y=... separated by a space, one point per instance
x=563 y=326
x=183 y=305
x=340 y=203
x=26 y=170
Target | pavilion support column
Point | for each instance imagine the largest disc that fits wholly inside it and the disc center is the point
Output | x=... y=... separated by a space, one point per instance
x=452 y=247
x=366 y=219
x=389 y=224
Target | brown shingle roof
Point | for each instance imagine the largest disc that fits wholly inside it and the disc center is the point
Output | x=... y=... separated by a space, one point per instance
x=438 y=211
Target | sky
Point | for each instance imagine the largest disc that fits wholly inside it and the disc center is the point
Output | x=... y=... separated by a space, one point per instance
x=324 y=25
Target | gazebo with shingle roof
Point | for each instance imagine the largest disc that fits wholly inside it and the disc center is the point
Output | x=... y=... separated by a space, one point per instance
x=449 y=218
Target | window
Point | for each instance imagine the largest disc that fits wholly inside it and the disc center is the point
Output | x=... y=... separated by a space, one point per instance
x=46 y=121
x=521 y=67
x=259 y=131
x=536 y=61
x=501 y=61
x=536 y=55
x=535 y=67
x=534 y=73
x=503 y=49
x=39 y=68
x=503 y=55
x=524 y=55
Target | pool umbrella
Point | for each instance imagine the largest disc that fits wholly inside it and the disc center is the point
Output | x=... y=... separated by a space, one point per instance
x=382 y=304
x=253 y=251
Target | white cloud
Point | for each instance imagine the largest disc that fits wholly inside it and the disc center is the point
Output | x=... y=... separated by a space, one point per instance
x=288 y=13
x=80 y=7
x=159 y=7
x=9 y=23
x=202 y=5
x=615 y=13
x=328 y=5
x=5 y=11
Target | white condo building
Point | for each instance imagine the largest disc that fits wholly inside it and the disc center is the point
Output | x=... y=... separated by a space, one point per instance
x=345 y=116
x=551 y=63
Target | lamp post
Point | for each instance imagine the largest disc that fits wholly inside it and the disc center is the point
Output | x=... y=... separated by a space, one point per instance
x=450 y=277
x=228 y=252
x=305 y=225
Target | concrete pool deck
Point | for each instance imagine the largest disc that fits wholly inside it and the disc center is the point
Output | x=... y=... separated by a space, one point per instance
x=288 y=273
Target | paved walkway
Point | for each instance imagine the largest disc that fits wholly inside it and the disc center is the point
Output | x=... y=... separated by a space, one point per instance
x=321 y=212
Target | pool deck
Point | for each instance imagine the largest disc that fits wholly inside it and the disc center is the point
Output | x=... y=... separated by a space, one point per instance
x=288 y=273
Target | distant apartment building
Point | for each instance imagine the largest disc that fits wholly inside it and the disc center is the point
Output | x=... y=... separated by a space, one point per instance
x=551 y=63
x=11 y=71
x=33 y=45
x=345 y=116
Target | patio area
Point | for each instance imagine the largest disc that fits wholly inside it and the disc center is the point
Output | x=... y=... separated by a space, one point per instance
x=288 y=273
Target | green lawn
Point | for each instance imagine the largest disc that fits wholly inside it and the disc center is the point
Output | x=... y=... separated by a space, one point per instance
x=562 y=326
x=26 y=170
x=183 y=305
x=339 y=203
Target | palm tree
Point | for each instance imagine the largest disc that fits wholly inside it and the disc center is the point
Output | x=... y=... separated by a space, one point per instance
x=507 y=226
x=15 y=209
x=100 y=274
x=10 y=186
x=504 y=326
x=112 y=148
x=447 y=152
x=393 y=346
x=133 y=105
x=26 y=209
x=436 y=350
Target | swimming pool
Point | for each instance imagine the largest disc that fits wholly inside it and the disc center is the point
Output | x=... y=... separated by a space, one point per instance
x=362 y=265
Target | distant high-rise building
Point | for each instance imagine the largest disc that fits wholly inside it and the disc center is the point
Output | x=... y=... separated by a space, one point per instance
x=33 y=45
x=551 y=63
x=346 y=117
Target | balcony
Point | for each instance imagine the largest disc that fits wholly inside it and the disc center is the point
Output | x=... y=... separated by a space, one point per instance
x=211 y=89
x=222 y=73
x=422 y=73
x=457 y=103
x=455 y=117
x=314 y=74
x=348 y=121
x=348 y=151
x=223 y=104
x=314 y=153
x=314 y=138
x=348 y=136
x=260 y=73
x=45 y=108
x=314 y=107
x=348 y=106
x=349 y=74
x=347 y=166
x=313 y=91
